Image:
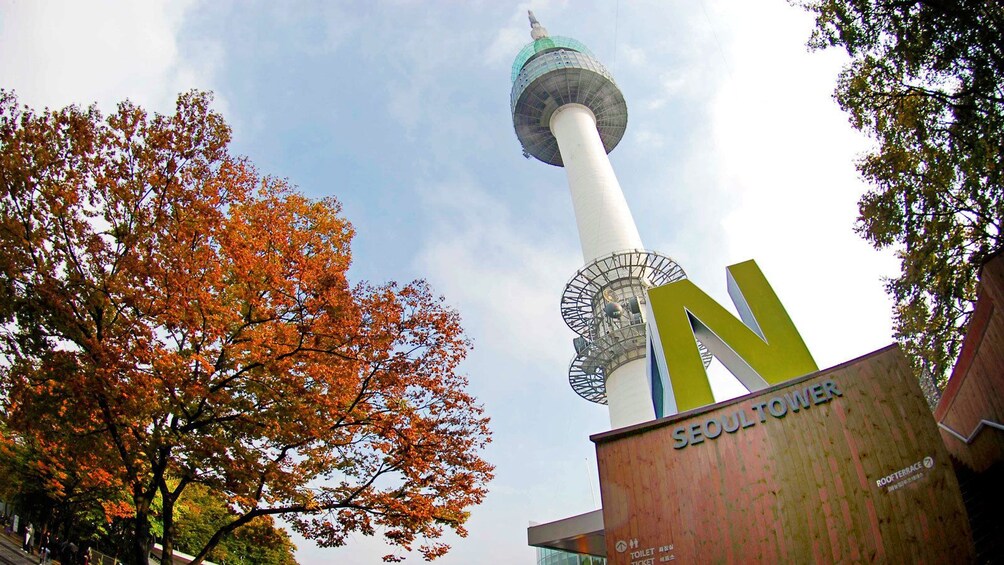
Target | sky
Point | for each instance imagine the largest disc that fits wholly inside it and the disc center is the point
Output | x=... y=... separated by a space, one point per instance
x=734 y=150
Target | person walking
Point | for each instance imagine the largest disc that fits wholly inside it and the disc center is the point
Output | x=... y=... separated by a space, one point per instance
x=43 y=548
x=28 y=533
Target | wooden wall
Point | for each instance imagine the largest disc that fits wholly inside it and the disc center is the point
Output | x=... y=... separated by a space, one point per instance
x=792 y=489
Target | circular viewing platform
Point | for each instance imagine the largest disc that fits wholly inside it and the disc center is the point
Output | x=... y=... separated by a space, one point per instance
x=554 y=71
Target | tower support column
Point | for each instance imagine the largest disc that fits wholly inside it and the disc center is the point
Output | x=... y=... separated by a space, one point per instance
x=629 y=395
x=601 y=212
x=568 y=112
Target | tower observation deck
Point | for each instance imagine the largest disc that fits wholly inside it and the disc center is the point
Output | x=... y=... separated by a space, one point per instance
x=568 y=111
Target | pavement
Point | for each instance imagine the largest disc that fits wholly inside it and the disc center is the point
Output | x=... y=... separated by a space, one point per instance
x=11 y=553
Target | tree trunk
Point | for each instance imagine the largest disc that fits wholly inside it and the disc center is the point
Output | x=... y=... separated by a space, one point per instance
x=142 y=540
x=167 y=543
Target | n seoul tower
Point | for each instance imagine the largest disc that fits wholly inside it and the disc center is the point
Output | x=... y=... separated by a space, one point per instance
x=568 y=112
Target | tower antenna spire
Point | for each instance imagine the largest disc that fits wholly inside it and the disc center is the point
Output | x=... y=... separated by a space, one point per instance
x=537 y=31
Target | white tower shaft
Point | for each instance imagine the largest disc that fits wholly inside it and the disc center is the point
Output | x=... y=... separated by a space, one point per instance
x=601 y=213
x=605 y=226
x=629 y=396
x=567 y=111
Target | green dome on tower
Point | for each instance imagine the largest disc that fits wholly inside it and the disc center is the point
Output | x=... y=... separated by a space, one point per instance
x=552 y=71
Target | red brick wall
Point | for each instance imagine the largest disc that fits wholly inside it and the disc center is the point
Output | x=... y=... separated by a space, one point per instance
x=975 y=391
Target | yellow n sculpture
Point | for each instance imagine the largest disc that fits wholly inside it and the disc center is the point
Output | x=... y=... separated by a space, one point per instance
x=762 y=348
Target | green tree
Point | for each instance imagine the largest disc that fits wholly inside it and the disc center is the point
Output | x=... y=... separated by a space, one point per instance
x=201 y=514
x=926 y=82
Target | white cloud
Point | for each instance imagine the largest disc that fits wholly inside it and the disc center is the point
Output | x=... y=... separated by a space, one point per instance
x=787 y=157
x=650 y=139
x=681 y=84
x=634 y=56
x=63 y=52
x=507 y=41
x=504 y=280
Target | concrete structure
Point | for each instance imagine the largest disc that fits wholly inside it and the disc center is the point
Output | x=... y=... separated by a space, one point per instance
x=568 y=112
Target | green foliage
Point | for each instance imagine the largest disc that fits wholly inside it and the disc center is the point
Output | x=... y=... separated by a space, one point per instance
x=201 y=514
x=925 y=82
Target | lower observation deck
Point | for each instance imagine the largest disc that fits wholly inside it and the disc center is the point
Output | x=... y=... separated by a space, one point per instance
x=604 y=304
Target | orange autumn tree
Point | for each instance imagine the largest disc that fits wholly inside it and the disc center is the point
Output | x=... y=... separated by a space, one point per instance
x=170 y=317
